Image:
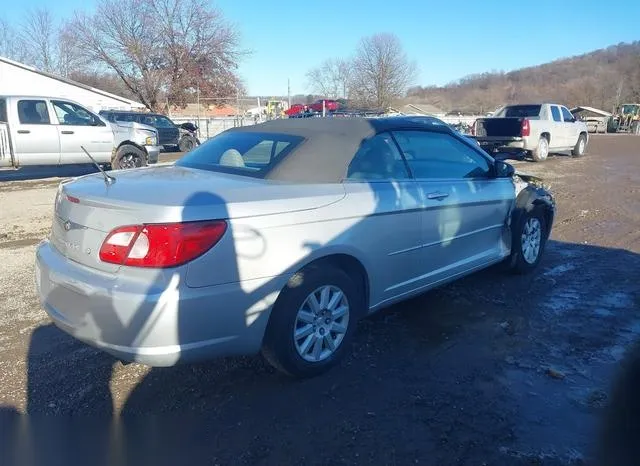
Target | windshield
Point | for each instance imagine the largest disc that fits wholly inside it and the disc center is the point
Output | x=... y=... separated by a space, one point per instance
x=157 y=121
x=242 y=152
x=630 y=108
x=519 y=111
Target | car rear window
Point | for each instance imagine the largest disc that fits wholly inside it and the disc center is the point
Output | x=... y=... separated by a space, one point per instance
x=242 y=152
x=521 y=111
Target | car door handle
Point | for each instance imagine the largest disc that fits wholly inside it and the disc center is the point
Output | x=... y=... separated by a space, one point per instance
x=23 y=131
x=437 y=195
x=66 y=132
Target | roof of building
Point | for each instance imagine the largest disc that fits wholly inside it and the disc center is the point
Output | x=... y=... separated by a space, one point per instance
x=70 y=82
x=328 y=144
x=421 y=109
x=597 y=111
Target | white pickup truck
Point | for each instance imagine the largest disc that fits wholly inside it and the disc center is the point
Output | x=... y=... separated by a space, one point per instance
x=535 y=129
x=53 y=131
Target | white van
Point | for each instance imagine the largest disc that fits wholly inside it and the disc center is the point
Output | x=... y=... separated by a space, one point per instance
x=54 y=131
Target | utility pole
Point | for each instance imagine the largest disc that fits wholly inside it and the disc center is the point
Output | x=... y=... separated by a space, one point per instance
x=289 y=92
x=198 y=105
x=238 y=104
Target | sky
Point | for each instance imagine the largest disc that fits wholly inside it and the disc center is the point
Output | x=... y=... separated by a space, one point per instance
x=447 y=40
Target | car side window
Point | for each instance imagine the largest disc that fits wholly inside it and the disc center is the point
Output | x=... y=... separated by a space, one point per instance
x=33 y=112
x=378 y=158
x=70 y=114
x=555 y=113
x=441 y=156
x=566 y=114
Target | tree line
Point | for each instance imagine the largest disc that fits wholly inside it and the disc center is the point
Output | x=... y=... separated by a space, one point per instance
x=159 y=52
x=603 y=79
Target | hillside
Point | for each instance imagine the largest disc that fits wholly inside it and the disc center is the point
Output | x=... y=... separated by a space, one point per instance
x=598 y=79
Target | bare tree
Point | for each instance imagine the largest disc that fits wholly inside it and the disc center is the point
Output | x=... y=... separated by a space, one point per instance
x=332 y=78
x=11 y=45
x=39 y=32
x=161 y=49
x=381 y=71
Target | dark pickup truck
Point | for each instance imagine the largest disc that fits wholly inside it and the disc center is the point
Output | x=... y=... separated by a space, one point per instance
x=168 y=131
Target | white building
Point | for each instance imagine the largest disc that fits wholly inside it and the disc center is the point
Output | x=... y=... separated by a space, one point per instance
x=19 y=79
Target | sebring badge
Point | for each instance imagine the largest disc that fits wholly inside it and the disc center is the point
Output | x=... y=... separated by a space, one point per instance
x=67 y=225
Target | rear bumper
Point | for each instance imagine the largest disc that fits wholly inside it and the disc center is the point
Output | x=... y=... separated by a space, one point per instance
x=515 y=143
x=159 y=323
x=153 y=153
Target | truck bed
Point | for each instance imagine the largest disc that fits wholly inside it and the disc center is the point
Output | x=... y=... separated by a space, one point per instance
x=498 y=127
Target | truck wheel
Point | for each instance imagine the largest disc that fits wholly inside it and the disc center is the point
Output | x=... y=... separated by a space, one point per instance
x=580 y=146
x=128 y=156
x=529 y=237
x=313 y=321
x=541 y=152
x=187 y=143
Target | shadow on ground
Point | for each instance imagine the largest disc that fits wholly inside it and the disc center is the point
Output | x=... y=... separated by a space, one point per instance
x=493 y=369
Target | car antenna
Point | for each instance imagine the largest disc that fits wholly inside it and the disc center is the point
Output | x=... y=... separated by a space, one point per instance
x=108 y=179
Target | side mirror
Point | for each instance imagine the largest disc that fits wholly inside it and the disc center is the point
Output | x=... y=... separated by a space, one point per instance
x=503 y=169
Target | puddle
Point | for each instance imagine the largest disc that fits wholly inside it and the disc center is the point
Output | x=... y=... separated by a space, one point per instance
x=20 y=243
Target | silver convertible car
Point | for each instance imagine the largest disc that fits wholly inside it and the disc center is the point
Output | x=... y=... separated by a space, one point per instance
x=279 y=237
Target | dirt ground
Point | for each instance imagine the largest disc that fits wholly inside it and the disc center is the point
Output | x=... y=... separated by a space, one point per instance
x=492 y=370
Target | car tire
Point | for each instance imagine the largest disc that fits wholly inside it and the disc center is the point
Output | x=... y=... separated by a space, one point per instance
x=541 y=152
x=581 y=145
x=292 y=313
x=186 y=143
x=521 y=260
x=129 y=156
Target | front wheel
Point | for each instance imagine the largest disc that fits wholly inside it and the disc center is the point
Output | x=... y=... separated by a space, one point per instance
x=313 y=322
x=529 y=237
x=129 y=156
x=187 y=143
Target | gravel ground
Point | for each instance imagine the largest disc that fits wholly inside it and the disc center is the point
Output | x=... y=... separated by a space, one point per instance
x=493 y=369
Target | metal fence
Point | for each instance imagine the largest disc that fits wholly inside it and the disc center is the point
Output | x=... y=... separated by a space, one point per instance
x=210 y=126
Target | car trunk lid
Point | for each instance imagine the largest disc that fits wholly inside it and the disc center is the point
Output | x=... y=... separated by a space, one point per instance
x=87 y=209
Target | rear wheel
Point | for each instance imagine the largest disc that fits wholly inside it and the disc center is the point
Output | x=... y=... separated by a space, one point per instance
x=581 y=145
x=128 y=156
x=541 y=152
x=313 y=321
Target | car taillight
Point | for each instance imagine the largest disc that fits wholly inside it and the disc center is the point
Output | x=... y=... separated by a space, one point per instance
x=161 y=245
x=525 y=130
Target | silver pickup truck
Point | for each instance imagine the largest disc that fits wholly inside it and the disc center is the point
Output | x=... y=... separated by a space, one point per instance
x=53 y=131
x=533 y=129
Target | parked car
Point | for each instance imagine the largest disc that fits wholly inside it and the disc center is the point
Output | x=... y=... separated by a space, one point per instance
x=295 y=109
x=329 y=105
x=168 y=131
x=52 y=131
x=280 y=236
x=537 y=129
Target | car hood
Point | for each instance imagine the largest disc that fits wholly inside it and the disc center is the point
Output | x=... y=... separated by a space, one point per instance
x=172 y=193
